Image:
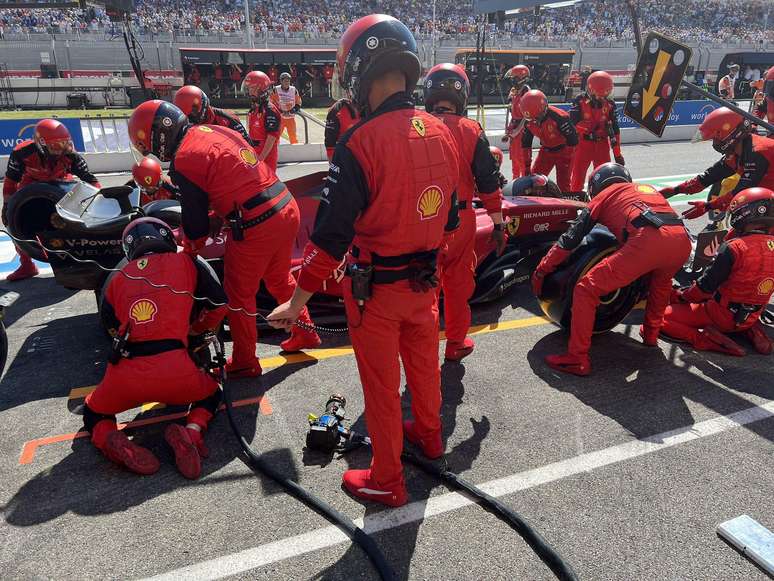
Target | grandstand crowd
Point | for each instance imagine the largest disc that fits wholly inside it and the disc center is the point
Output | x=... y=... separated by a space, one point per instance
x=587 y=21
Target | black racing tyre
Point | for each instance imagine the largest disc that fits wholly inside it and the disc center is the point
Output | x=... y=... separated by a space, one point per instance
x=29 y=213
x=167 y=210
x=558 y=287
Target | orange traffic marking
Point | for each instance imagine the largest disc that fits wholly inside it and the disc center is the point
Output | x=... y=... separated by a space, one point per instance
x=30 y=448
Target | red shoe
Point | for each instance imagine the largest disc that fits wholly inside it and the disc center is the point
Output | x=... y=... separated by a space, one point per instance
x=197 y=438
x=432 y=446
x=649 y=335
x=134 y=457
x=359 y=483
x=299 y=340
x=249 y=370
x=457 y=351
x=711 y=339
x=187 y=458
x=568 y=363
x=761 y=341
x=27 y=269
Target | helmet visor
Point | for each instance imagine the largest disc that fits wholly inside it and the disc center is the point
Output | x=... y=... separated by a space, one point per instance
x=60 y=147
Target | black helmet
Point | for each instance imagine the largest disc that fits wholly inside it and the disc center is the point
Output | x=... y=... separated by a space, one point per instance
x=146 y=236
x=447 y=82
x=606 y=175
x=370 y=47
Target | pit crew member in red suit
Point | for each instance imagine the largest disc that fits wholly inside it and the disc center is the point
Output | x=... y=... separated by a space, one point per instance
x=595 y=119
x=731 y=295
x=264 y=120
x=341 y=116
x=262 y=215
x=150 y=361
x=48 y=156
x=653 y=241
x=153 y=184
x=557 y=135
x=519 y=76
x=446 y=96
x=392 y=197
x=195 y=103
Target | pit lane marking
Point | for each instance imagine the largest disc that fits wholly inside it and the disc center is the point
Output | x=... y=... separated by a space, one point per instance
x=320 y=354
x=31 y=447
x=290 y=547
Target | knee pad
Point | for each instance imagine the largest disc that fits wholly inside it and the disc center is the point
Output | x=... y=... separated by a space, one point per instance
x=92 y=418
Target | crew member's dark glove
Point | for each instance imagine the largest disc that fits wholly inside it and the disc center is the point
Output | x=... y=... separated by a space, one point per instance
x=499 y=239
x=296 y=109
x=620 y=160
x=5 y=213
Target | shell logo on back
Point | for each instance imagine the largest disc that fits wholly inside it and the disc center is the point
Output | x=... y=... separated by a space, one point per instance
x=430 y=202
x=143 y=311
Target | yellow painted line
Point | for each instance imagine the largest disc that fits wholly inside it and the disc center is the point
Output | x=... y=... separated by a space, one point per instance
x=321 y=354
x=154 y=405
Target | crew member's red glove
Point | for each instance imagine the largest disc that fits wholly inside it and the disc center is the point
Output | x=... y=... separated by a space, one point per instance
x=669 y=192
x=193 y=247
x=619 y=159
x=550 y=262
x=698 y=210
x=694 y=294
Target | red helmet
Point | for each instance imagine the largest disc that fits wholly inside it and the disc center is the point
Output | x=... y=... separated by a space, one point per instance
x=370 y=47
x=52 y=138
x=257 y=84
x=194 y=102
x=155 y=127
x=533 y=105
x=768 y=85
x=599 y=85
x=519 y=74
x=497 y=153
x=724 y=127
x=147 y=174
x=447 y=82
x=752 y=206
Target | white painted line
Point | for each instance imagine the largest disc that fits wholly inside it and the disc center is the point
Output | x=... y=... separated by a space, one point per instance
x=290 y=547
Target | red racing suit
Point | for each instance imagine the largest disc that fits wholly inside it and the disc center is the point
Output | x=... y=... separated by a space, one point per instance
x=765 y=110
x=341 y=116
x=264 y=120
x=644 y=249
x=755 y=165
x=224 y=118
x=155 y=365
x=514 y=146
x=558 y=139
x=391 y=191
x=597 y=126
x=217 y=172
x=731 y=294
x=480 y=175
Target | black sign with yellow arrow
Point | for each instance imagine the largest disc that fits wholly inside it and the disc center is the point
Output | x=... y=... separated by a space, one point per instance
x=660 y=71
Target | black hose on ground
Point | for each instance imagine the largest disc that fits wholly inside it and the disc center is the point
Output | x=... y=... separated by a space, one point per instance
x=358 y=535
x=547 y=554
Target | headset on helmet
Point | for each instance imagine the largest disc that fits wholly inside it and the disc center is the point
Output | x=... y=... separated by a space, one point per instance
x=372 y=46
x=725 y=128
x=752 y=206
x=447 y=82
x=606 y=175
x=518 y=75
x=257 y=84
x=155 y=127
x=497 y=153
x=599 y=84
x=147 y=174
x=194 y=102
x=147 y=236
x=52 y=138
x=533 y=105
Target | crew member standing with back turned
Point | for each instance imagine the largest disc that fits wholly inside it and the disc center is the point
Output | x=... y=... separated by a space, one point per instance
x=519 y=76
x=653 y=241
x=392 y=196
x=215 y=168
x=446 y=96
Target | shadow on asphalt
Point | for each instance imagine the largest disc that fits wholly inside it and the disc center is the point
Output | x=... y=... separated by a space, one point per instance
x=34 y=293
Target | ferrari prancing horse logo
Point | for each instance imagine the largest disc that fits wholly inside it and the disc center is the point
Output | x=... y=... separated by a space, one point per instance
x=418 y=125
x=770 y=244
x=430 y=202
x=142 y=263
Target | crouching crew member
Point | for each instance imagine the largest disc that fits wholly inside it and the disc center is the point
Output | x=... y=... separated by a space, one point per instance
x=731 y=295
x=48 y=156
x=653 y=241
x=264 y=119
x=446 y=96
x=391 y=195
x=557 y=135
x=150 y=361
x=195 y=103
x=261 y=213
x=153 y=184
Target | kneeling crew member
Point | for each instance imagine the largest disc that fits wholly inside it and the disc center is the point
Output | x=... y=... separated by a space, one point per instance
x=195 y=103
x=731 y=295
x=262 y=215
x=153 y=184
x=150 y=361
x=653 y=241
x=446 y=96
x=391 y=195
x=557 y=135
